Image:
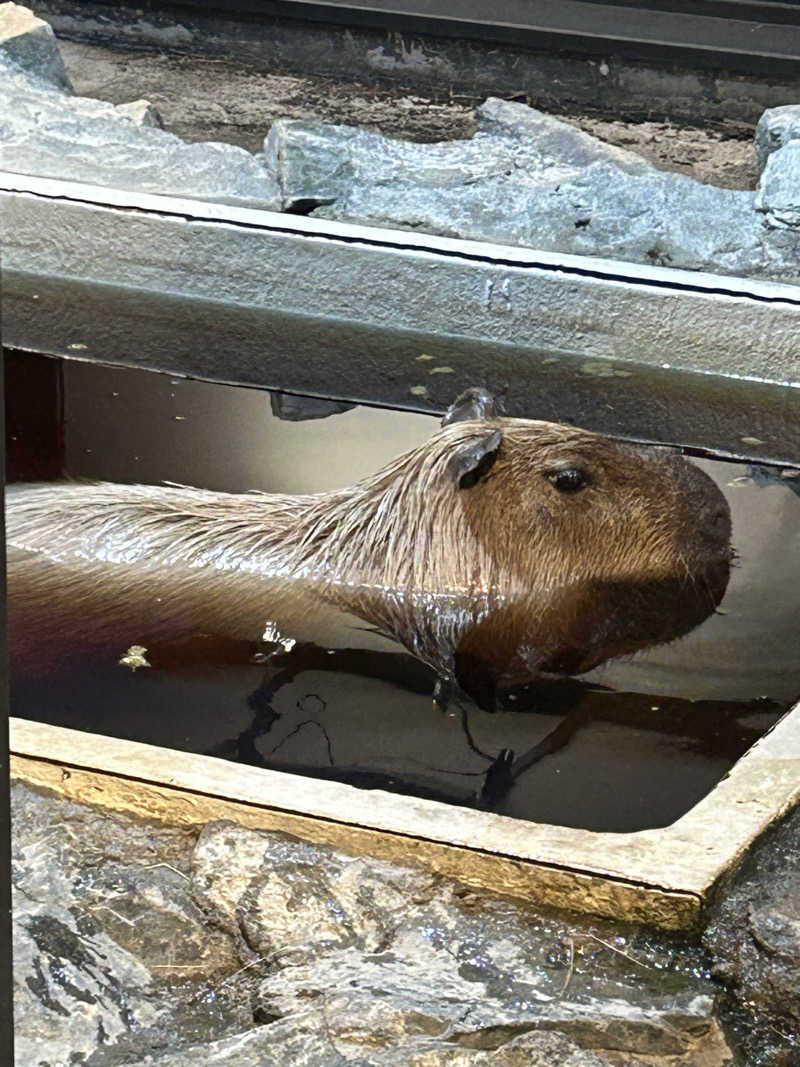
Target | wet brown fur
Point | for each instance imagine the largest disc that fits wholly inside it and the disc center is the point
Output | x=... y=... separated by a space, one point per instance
x=488 y=584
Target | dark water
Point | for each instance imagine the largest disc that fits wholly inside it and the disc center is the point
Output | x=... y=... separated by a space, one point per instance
x=653 y=734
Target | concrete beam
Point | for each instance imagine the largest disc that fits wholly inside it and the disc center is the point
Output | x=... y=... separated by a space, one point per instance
x=397 y=318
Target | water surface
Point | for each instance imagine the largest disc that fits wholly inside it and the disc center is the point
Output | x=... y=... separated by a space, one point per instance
x=657 y=731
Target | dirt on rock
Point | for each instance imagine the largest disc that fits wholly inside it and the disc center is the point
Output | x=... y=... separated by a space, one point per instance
x=202 y=99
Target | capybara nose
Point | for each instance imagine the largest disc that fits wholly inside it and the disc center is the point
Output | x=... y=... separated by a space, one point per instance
x=715 y=524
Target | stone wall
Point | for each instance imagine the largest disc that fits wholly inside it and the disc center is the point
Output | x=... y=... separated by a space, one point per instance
x=524 y=178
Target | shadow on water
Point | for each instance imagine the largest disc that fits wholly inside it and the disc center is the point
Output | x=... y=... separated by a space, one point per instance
x=652 y=734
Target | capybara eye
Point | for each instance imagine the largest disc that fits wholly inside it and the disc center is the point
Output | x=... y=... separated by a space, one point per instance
x=568 y=479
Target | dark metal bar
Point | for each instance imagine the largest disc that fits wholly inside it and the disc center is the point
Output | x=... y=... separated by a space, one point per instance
x=745 y=34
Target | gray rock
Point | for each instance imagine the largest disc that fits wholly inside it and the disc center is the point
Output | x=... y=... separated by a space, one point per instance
x=778 y=194
x=301 y=1041
x=525 y=179
x=318 y=161
x=49 y=134
x=310 y=1040
x=288 y=898
x=140 y=113
x=392 y=956
x=754 y=938
x=776 y=127
x=777 y=933
x=528 y=1050
x=73 y=987
x=71 y=982
x=145 y=944
x=105 y=938
x=420 y=992
x=553 y=141
x=31 y=43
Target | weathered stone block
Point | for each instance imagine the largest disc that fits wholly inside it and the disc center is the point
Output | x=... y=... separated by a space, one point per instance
x=47 y=133
x=754 y=941
x=549 y=140
x=31 y=43
x=779 y=189
x=776 y=127
x=334 y=929
x=324 y=162
x=524 y=179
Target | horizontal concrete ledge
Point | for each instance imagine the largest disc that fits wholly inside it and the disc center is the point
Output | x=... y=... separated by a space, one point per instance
x=660 y=877
x=311 y=306
x=403 y=240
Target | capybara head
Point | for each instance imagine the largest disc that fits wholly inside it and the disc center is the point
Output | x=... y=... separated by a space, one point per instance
x=573 y=548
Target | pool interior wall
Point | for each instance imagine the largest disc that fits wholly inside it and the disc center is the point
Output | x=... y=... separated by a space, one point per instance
x=658 y=730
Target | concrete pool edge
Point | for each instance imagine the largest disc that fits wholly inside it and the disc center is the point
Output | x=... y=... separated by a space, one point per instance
x=661 y=877
x=651 y=353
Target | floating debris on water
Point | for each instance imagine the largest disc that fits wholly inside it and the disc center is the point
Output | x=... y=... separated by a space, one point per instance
x=135 y=658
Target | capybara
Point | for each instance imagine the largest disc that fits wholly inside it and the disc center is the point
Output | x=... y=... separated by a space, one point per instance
x=499 y=549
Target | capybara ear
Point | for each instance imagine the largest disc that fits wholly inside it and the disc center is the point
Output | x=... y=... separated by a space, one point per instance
x=473 y=460
x=476 y=403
